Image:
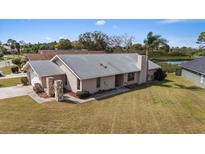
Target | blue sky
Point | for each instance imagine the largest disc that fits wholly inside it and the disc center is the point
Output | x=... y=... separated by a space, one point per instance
x=177 y=32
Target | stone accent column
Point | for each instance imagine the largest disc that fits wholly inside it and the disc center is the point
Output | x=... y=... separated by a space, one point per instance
x=58 y=88
x=50 y=87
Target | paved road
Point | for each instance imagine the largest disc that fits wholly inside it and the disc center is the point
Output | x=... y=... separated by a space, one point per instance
x=13 y=76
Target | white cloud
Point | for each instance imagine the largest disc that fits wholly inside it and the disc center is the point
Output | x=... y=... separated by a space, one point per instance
x=100 y=22
x=48 y=39
x=171 y=21
x=61 y=37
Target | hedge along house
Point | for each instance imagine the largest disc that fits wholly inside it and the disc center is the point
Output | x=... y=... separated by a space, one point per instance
x=96 y=72
x=195 y=71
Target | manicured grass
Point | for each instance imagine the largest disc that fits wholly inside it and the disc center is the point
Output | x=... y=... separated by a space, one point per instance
x=9 y=82
x=10 y=57
x=6 y=70
x=172 y=106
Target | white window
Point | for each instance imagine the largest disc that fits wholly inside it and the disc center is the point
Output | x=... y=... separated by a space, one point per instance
x=202 y=79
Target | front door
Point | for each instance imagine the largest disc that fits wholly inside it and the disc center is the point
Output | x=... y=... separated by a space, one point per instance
x=119 y=80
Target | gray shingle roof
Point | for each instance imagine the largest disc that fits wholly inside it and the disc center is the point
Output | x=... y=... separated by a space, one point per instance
x=45 y=68
x=196 y=65
x=92 y=66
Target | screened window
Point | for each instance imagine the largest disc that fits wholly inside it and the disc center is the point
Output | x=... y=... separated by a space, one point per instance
x=131 y=76
x=78 y=84
x=98 y=83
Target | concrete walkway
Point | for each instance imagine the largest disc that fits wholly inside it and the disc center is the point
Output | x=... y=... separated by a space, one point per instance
x=97 y=96
x=19 y=75
x=20 y=90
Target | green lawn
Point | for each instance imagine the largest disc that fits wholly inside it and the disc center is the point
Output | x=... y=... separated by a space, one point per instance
x=9 y=82
x=10 y=57
x=6 y=70
x=174 y=106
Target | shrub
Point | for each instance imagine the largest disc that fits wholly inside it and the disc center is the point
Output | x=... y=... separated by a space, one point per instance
x=83 y=94
x=160 y=75
x=17 y=61
x=24 y=81
x=170 y=68
x=14 y=69
x=38 y=88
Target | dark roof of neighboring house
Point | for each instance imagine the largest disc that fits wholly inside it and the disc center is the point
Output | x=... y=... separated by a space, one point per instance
x=100 y=65
x=196 y=65
x=49 y=54
x=44 y=68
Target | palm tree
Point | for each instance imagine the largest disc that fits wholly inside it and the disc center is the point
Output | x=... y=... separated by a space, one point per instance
x=153 y=42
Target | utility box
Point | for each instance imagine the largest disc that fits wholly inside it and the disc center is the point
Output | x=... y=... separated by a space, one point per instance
x=179 y=71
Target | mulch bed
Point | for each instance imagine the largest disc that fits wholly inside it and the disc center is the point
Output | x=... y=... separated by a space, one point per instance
x=73 y=94
x=43 y=95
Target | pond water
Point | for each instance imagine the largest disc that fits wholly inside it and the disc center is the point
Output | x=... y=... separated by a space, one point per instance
x=173 y=62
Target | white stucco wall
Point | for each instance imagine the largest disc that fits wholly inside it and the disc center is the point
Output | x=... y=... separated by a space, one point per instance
x=105 y=84
x=34 y=78
x=71 y=78
x=194 y=77
x=136 y=79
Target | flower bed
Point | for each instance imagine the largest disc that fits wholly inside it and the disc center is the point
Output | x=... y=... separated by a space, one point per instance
x=43 y=95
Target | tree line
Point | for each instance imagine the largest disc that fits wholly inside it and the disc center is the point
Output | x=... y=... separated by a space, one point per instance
x=100 y=41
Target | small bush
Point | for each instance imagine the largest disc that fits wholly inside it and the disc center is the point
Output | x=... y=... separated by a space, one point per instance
x=83 y=94
x=15 y=69
x=160 y=75
x=170 y=68
x=24 y=81
x=38 y=88
x=17 y=61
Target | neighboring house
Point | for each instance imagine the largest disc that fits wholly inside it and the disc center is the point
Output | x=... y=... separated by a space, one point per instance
x=1 y=54
x=9 y=50
x=195 y=71
x=92 y=72
x=49 y=54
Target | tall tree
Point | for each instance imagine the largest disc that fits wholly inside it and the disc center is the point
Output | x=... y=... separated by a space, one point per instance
x=201 y=40
x=17 y=47
x=120 y=42
x=152 y=42
x=137 y=46
x=63 y=44
x=94 y=40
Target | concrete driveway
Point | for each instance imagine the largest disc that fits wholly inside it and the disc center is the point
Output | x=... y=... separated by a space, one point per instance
x=15 y=91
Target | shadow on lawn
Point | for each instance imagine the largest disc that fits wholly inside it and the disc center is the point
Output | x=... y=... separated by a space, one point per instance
x=164 y=83
x=139 y=87
x=180 y=86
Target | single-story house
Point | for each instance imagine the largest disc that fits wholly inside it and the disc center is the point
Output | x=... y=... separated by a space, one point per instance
x=195 y=71
x=92 y=72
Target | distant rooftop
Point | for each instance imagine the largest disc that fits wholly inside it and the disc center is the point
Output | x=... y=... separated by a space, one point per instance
x=49 y=54
x=196 y=65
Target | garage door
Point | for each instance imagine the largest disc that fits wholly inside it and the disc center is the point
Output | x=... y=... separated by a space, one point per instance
x=34 y=78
